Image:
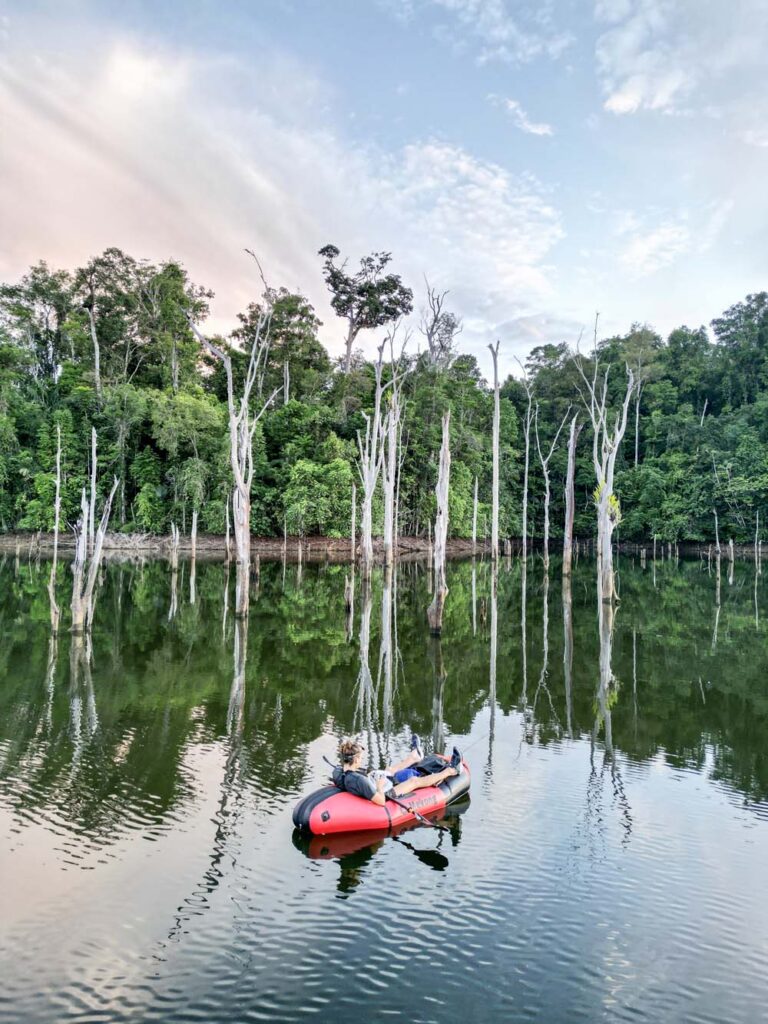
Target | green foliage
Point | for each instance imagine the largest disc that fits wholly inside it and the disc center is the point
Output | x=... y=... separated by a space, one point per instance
x=162 y=421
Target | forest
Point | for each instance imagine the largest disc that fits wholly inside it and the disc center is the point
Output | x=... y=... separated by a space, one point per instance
x=117 y=346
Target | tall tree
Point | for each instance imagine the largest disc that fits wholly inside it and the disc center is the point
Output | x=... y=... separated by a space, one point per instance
x=242 y=427
x=369 y=298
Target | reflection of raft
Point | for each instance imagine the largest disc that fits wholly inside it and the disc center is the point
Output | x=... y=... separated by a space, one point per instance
x=328 y=810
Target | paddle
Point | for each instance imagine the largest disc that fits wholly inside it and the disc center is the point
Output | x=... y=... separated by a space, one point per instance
x=432 y=858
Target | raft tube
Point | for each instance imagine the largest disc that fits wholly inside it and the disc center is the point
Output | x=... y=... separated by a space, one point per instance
x=328 y=810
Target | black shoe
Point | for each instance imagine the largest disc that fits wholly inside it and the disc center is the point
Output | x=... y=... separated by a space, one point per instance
x=456 y=759
x=416 y=744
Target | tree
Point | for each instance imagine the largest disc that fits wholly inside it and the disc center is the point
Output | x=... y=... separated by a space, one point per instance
x=440 y=329
x=606 y=442
x=495 y=443
x=442 y=490
x=242 y=427
x=370 y=298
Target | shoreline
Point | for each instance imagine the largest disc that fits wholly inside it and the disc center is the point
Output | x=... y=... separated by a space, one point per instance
x=212 y=547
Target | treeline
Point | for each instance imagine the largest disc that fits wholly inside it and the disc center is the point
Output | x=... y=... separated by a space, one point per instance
x=110 y=346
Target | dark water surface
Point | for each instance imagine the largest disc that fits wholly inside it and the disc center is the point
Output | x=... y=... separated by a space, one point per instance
x=612 y=863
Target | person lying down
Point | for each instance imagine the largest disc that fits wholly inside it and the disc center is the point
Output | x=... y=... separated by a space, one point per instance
x=414 y=772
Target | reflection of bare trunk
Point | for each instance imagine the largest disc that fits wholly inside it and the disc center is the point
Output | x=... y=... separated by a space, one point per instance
x=435 y=610
x=568 y=652
x=50 y=678
x=364 y=710
x=386 y=654
x=349 y=603
x=717 y=603
x=237 y=693
x=570 y=502
x=606 y=687
x=474 y=598
x=438 y=690
x=492 y=665
x=524 y=630
x=55 y=610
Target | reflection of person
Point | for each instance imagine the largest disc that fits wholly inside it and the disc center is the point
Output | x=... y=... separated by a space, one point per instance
x=413 y=772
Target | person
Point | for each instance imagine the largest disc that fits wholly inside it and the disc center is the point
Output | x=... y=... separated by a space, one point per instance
x=413 y=772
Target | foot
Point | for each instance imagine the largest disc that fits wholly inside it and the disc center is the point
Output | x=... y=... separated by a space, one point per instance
x=416 y=745
x=456 y=760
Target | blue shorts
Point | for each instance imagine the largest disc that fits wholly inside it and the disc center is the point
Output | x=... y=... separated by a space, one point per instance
x=404 y=774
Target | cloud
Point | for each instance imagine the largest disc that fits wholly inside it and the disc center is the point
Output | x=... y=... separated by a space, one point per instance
x=654 y=248
x=520 y=118
x=194 y=156
x=656 y=55
x=497 y=32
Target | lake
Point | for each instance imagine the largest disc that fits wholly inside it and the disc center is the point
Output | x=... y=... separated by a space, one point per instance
x=611 y=864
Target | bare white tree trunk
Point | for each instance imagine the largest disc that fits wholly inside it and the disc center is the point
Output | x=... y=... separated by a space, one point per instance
x=228 y=540
x=758 y=567
x=84 y=586
x=606 y=443
x=193 y=562
x=495 y=455
x=390 y=471
x=371 y=449
x=353 y=530
x=96 y=351
x=474 y=519
x=637 y=420
x=435 y=610
x=55 y=610
x=570 y=503
x=92 y=505
x=717 y=534
x=286 y=383
x=545 y=471
x=242 y=427
x=528 y=420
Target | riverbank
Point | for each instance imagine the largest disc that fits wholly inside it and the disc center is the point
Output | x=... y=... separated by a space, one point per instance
x=213 y=547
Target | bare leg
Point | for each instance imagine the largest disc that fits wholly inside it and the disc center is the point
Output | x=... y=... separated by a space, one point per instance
x=422 y=781
x=407 y=762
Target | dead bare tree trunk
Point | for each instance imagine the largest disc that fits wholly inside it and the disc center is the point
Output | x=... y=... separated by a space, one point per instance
x=474 y=520
x=96 y=349
x=228 y=542
x=391 y=438
x=570 y=502
x=55 y=610
x=545 y=471
x=242 y=427
x=637 y=420
x=495 y=455
x=606 y=442
x=435 y=610
x=92 y=506
x=528 y=419
x=286 y=383
x=353 y=528
x=84 y=586
x=371 y=449
x=193 y=562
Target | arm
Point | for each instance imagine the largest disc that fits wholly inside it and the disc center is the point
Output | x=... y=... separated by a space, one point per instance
x=378 y=797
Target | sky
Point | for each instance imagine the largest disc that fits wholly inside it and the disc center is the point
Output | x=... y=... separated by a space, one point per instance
x=540 y=161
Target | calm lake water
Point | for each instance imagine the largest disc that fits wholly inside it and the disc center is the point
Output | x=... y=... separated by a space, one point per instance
x=611 y=865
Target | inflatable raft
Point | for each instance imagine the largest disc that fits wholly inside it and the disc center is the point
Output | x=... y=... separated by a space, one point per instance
x=328 y=810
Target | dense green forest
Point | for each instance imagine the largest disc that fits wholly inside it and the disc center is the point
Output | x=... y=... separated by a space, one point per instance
x=110 y=346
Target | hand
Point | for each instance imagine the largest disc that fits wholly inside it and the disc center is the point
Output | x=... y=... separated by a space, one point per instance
x=381 y=784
